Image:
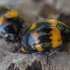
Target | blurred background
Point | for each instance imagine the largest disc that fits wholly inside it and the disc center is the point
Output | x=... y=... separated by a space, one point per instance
x=33 y=11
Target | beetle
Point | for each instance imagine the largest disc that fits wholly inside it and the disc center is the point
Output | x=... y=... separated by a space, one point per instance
x=45 y=36
x=10 y=23
x=41 y=36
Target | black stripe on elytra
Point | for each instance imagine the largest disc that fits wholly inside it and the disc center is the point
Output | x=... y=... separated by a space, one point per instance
x=65 y=35
x=44 y=38
x=45 y=29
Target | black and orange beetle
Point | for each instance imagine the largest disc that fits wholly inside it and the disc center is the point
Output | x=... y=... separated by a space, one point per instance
x=39 y=37
x=10 y=23
x=45 y=35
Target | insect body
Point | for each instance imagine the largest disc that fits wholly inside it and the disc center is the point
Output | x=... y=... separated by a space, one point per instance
x=45 y=35
x=10 y=23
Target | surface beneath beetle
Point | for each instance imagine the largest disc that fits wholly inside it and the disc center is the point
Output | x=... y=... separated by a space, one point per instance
x=58 y=61
x=32 y=12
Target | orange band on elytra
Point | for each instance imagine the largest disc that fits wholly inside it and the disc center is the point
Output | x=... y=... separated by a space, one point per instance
x=53 y=22
x=33 y=26
x=11 y=14
x=23 y=49
x=56 y=38
x=39 y=47
x=1 y=20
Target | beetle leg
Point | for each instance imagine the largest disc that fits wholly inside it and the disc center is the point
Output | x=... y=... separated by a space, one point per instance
x=48 y=54
x=53 y=52
x=47 y=57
